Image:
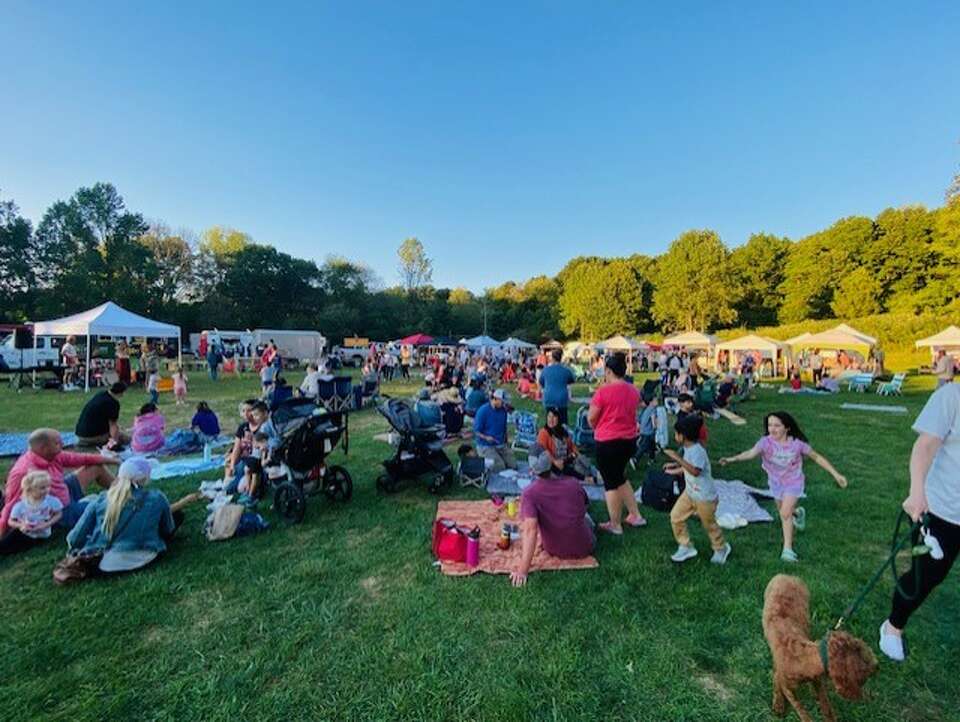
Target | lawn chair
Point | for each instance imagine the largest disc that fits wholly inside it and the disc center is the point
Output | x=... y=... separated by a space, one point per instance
x=342 y=393
x=472 y=471
x=327 y=394
x=526 y=435
x=705 y=396
x=583 y=432
x=892 y=387
x=860 y=382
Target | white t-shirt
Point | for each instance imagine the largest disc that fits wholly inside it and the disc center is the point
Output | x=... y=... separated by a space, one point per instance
x=699 y=488
x=69 y=353
x=153 y=382
x=311 y=385
x=40 y=513
x=941 y=418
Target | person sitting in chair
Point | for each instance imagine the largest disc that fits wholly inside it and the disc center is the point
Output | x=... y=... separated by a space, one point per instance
x=553 y=509
x=490 y=428
x=557 y=444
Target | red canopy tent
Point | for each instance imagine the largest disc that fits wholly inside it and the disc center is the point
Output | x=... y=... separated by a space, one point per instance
x=417 y=339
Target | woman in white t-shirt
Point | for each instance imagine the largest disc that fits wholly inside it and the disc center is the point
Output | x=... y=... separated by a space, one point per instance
x=934 y=490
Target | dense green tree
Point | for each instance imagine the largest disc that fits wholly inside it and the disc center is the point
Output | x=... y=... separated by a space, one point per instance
x=695 y=289
x=174 y=259
x=18 y=261
x=416 y=270
x=601 y=298
x=857 y=295
x=758 y=268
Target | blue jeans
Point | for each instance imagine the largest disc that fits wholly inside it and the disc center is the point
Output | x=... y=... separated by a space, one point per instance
x=154 y=397
x=74 y=510
x=213 y=372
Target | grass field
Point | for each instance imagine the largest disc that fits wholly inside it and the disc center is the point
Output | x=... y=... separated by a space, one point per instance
x=344 y=616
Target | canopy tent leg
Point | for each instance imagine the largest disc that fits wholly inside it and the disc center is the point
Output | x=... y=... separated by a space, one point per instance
x=34 y=364
x=179 y=351
x=86 y=370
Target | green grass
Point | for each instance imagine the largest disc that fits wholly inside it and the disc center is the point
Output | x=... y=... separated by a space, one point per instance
x=344 y=616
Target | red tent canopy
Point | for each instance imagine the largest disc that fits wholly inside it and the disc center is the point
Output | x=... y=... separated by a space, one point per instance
x=417 y=339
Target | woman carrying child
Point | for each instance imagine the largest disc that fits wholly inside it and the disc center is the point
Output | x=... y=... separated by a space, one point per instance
x=700 y=495
x=556 y=442
x=781 y=450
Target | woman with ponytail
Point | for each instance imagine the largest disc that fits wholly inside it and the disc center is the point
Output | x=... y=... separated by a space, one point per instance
x=129 y=523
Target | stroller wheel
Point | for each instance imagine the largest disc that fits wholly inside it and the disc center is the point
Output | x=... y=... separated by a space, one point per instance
x=338 y=484
x=386 y=483
x=289 y=502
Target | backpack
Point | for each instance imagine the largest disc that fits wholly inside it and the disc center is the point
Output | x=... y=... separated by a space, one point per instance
x=661 y=490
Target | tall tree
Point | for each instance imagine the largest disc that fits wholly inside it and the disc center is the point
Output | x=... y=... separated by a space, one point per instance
x=416 y=270
x=173 y=257
x=600 y=298
x=858 y=294
x=695 y=290
x=18 y=260
x=758 y=267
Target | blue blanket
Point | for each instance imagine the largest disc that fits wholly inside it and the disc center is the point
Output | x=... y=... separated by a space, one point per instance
x=183 y=467
x=15 y=444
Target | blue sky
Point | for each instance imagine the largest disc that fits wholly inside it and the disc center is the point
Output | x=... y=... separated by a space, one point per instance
x=508 y=137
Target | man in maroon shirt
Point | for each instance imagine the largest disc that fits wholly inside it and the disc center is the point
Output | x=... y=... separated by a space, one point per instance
x=553 y=508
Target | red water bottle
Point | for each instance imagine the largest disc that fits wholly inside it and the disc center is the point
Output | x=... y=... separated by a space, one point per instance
x=473 y=547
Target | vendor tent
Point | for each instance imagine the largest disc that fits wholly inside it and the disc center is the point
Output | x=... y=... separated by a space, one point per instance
x=551 y=345
x=836 y=340
x=691 y=339
x=517 y=343
x=417 y=339
x=797 y=339
x=107 y=319
x=776 y=351
x=948 y=339
x=854 y=332
x=480 y=342
x=620 y=343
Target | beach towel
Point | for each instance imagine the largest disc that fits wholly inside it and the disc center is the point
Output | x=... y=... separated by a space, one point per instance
x=182 y=467
x=483 y=514
x=875 y=407
x=16 y=443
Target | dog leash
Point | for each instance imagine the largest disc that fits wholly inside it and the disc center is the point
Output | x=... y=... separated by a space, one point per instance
x=896 y=545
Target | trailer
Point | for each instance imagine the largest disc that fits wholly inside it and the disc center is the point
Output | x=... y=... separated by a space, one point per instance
x=294 y=344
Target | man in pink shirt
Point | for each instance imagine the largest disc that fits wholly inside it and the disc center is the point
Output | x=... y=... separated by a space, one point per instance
x=45 y=453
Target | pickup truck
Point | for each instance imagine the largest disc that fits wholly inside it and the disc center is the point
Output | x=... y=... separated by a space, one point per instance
x=351 y=355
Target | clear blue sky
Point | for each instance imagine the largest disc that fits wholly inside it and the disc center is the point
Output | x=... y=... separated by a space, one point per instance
x=508 y=137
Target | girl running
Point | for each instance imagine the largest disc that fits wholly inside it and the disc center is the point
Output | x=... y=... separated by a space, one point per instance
x=781 y=450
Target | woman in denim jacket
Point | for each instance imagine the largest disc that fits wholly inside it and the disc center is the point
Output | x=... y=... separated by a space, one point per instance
x=129 y=523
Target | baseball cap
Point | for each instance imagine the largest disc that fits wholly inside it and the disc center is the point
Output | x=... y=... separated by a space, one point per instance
x=501 y=394
x=540 y=464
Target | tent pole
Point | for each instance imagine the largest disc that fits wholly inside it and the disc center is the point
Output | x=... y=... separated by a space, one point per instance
x=34 y=364
x=179 y=350
x=86 y=370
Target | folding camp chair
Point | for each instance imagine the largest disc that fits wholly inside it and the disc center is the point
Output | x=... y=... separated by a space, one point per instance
x=526 y=434
x=860 y=382
x=892 y=387
x=342 y=393
x=327 y=394
x=472 y=471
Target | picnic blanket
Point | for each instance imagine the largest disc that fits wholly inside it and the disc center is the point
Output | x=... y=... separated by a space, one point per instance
x=737 y=506
x=488 y=517
x=512 y=483
x=876 y=407
x=179 y=443
x=182 y=467
x=16 y=443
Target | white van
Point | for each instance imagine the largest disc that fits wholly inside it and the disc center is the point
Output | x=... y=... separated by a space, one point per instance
x=48 y=352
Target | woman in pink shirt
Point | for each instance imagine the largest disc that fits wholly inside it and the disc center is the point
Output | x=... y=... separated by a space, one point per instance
x=613 y=416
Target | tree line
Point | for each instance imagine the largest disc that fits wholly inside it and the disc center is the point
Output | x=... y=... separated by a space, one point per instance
x=92 y=248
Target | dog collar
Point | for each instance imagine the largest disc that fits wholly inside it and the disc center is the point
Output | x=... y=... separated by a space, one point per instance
x=823 y=653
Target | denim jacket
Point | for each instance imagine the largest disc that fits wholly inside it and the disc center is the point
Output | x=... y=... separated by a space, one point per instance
x=144 y=523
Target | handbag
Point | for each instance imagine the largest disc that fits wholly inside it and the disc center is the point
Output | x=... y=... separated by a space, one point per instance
x=449 y=541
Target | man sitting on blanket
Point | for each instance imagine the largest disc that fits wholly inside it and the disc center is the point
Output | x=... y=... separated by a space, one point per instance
x=490 y=428
x=555 y=507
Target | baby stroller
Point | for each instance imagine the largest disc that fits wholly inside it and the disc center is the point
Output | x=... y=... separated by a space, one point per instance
x=307 y=434
x=419 y=452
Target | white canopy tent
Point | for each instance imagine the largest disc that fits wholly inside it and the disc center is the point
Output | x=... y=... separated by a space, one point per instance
x=620 y=343
x=517 y=343
x=948 y=340
x=107 y=319
x=837 y=340
x=777 y=351
x=692 y=339
x=480 y=342
x=854 y=332
x=798 y=339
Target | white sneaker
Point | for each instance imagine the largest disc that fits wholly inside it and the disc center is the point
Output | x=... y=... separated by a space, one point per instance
x=683 y=553
x=890 y=644
x=720 y=556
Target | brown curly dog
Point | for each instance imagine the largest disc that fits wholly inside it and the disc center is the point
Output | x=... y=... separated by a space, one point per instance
x=797 y=659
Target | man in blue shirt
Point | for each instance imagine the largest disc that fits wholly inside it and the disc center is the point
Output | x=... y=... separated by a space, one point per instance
x=555 y=381
x=490 y=428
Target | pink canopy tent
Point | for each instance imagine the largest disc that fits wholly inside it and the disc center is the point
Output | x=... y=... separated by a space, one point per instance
x=417 y=339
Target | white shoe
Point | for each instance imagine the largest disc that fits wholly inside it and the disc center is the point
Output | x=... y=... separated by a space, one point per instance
x=683 y=553
x=720 y=556
x=890 y=644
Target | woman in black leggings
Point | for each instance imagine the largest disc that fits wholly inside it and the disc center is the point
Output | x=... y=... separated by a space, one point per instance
x=934 y=490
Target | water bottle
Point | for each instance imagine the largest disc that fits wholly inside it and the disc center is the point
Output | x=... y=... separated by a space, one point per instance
x=206 y=451
x=473 y=547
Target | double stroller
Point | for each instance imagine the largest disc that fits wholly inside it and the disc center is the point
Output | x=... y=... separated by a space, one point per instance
x=308 y=433
x=419 y=451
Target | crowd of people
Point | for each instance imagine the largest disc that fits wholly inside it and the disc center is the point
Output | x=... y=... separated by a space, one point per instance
x=47 y=487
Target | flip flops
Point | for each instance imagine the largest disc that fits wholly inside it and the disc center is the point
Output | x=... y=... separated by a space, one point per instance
x=637 y=523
